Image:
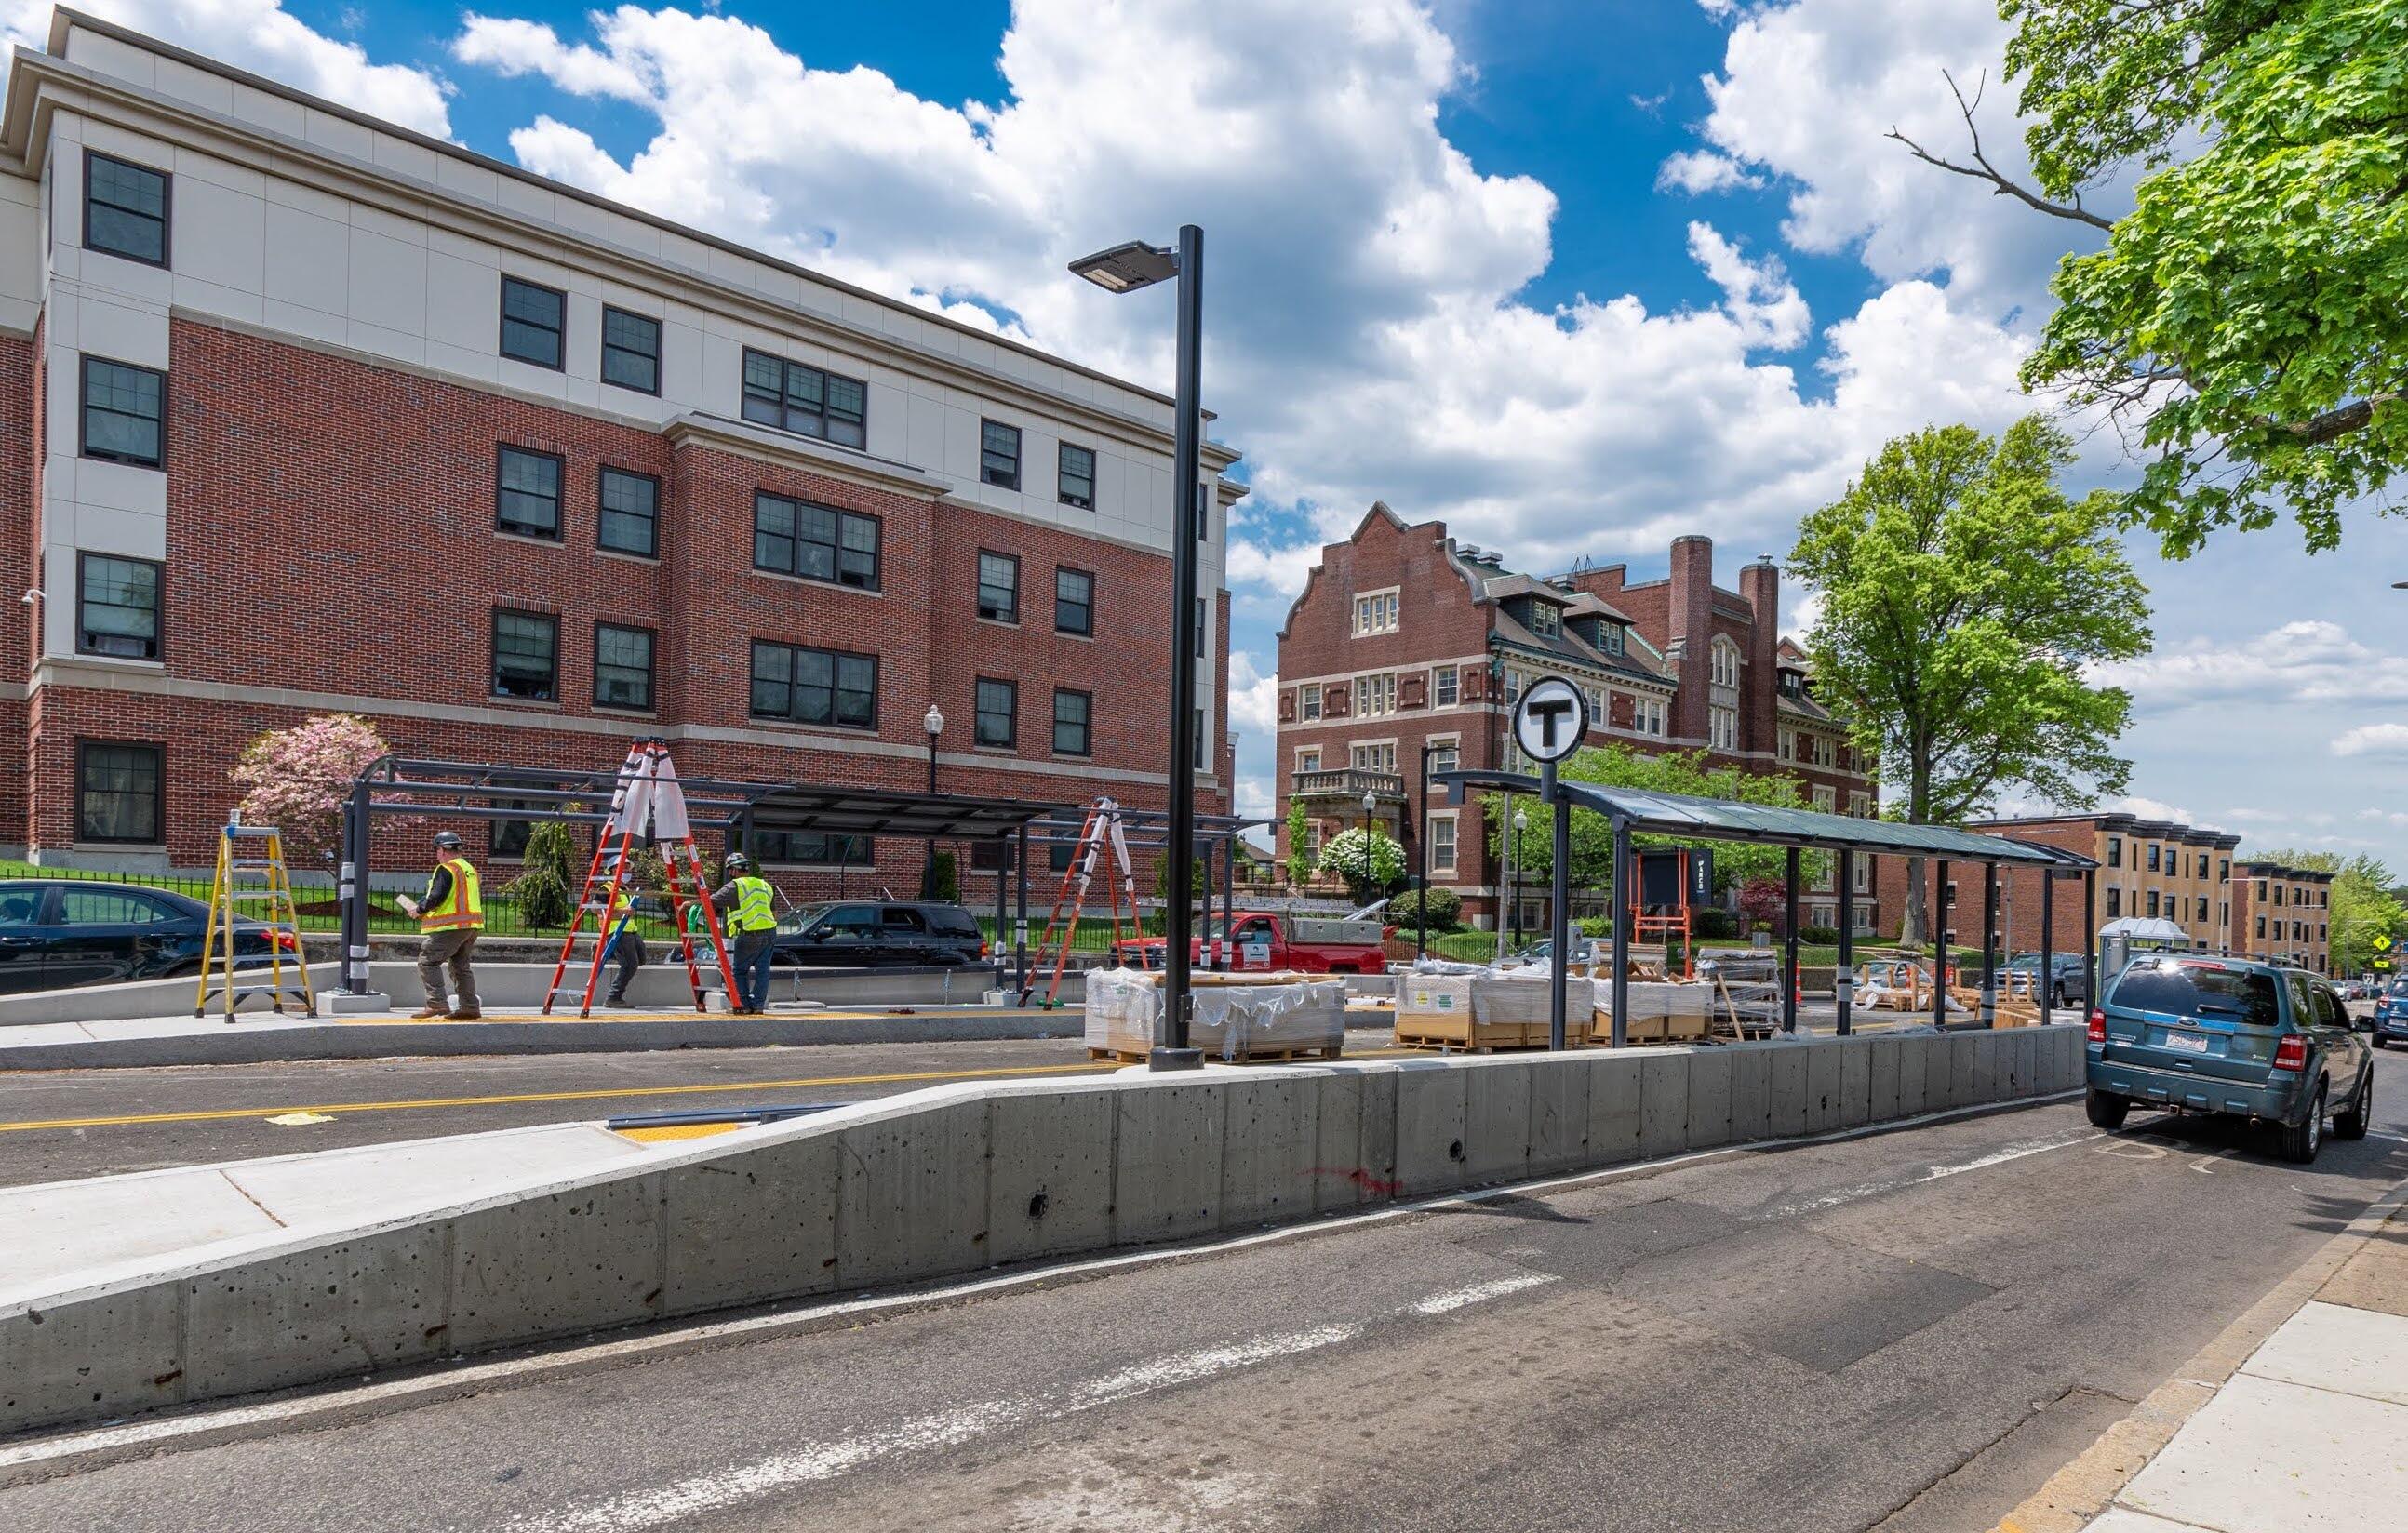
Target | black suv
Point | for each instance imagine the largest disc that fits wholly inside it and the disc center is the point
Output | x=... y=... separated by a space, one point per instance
x=880 y=934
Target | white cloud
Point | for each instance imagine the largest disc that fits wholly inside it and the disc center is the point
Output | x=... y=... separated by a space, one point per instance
x=1254 y=697
x=262 y=37
x=2152 y=809
x=1699 y=171
x=2372 y=739
x=1279 y=568
x=2312 y=660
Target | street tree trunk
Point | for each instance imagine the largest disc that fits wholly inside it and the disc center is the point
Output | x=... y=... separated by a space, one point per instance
x=1915 y=929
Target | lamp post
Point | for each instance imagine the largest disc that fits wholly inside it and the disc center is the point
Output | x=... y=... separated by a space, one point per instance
x=1521 y=823
x=935 y=725
x=1127 y=268
x=1371 y=805
x=1421 y=861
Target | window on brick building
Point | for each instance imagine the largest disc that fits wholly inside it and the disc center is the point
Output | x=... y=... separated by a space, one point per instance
x=1546 y=619
x=1443 y=754
x=631 y=350
x=1308 y=703
x=1378 y=757
x=998 y=712
x=999 y=455
x=2115 y=851
x=1722 y=728
x=1203 y=628
x=998 y=587
x=2153 y=857
x=117 y=606
x=1609 y=637
x=527 y=492
x=1725 y=663
x=2261 y=925
x=811 y=849
x=1309 y=760
x=508 y=838
x=1201 y=748
x=125 y=209
x=1071 y=712
x=1375 y=696
x=1441 y=843
x=793 y=397
x=534 y=322
x=2116 y=902
x=816 y=542
x=630 y=520
x=119 y=794
x=125 y=413
x=526 y=655
x=1596 y=698
x=1860 y=805
x=1074 y=478
x=2152 y=902
x=1074 y=602
x=1826 y=799
x=2202 y=907
x=800 y=685
x=1445 y=686
x=2224 y=870
x=623 y=666
x=1375 y=612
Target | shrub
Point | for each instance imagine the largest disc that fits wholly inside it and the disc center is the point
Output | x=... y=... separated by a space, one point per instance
x=945 y=878
x=1821 y=937
x=1595 y=925
x=1712 y=921
x=1445 y=908
x=546 y=889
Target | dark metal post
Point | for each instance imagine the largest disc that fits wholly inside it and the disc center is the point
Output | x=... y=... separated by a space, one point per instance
x=1020 y=925
x=928 y=853
x=1003 y=874
x=1421 y=859
x=1559 y=927
x=1619 y=986
x=2090 y=939
x=1989 y=944
x=1939 y=946
x=1789 y=946
x=2047 y=979
x=1229 y=901
x=1843 y=975
x=1204 y=894
x=355 y=891
x=1172 y=1051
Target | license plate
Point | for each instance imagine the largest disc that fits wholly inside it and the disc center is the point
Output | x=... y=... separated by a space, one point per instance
x=2187 y=1042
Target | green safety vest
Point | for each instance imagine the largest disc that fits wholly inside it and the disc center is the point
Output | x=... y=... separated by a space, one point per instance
x=756 y=910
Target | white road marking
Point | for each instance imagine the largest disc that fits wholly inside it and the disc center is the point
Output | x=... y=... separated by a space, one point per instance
x=720 y=1490
x=1930 y=1173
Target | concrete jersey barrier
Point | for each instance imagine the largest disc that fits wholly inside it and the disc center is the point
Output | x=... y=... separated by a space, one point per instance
x=936 y=1183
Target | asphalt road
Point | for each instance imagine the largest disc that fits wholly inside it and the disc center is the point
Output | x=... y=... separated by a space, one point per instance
x=1907 y=1331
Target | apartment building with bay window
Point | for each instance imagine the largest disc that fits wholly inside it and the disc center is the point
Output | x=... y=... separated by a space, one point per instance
x=312 y=413
x=1407 y=646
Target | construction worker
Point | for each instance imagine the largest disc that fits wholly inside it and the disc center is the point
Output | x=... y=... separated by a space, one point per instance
x=750 y=906
x=625 y=942
x=448 y=919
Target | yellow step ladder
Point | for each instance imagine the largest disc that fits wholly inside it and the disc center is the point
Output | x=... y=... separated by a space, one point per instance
x=251 y=850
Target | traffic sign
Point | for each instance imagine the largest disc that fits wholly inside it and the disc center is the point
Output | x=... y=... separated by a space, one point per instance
x=1550 y=719
x=2383 y=942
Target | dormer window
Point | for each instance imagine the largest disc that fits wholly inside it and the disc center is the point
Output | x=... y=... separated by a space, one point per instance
x=1546 y=620
x=1609 y=636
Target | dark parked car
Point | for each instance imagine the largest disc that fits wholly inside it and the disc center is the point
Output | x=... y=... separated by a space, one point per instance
x=61 y=932
x=880 y=934
x=2391 y=1015
x=2071 y=979
x=2235 y=1038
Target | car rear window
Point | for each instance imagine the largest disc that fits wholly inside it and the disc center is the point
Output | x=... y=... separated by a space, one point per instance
x=2399 y=987
x=951 y=919
x=2194 y=990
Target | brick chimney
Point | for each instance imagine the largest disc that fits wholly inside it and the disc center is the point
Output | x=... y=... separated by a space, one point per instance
x=1691 y=629
x=1760 y=584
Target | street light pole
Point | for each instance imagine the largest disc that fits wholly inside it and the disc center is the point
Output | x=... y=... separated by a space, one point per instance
x=1125 y=268
x=1421 y=859
x=1370 y=806
x=1521 y=823
x=935 y=725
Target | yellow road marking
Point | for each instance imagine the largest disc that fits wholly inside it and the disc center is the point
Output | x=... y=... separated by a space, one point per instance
x=663 y=1133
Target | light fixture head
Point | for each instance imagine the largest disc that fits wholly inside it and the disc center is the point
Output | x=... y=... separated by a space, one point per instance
x=934 y=721
x=1125 y=268
x=37 y=594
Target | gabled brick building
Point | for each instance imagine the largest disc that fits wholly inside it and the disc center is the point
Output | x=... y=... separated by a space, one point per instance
x=308 y=412
x=1405 y=643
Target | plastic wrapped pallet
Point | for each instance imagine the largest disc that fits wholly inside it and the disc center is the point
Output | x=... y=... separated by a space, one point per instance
x=1234 y=1023
x=1440 y=998
x=1512 y=997
x=1121 y=1009
x=1658 y=1010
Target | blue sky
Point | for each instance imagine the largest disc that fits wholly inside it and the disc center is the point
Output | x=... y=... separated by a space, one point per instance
x=1575 y=277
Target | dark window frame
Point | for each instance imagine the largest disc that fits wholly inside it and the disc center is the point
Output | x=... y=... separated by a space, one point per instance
x=787 y=369
x=158 y=610
x=166 y=210
x=651 y=667
x=1010 y=613
x=989 y=474
x=158 y=791
x=611 y=311
x=493 y=655
x=83 y=413
x=603 y=511
x=1088 y=606
x=788 y=841
x=836 y=549
x=1061 y=476
x=1085 y=724
x=751 y=674
x=502 y=328
x=559 y=532
x=979 y=712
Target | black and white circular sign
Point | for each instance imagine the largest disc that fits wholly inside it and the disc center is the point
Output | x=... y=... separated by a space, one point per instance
x=1550 y=719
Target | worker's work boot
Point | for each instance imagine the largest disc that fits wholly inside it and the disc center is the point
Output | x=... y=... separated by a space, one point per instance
x=429 y=1014
x=467 y=1013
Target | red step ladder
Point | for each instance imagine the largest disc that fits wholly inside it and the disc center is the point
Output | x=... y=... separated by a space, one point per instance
x=1100 y=831
x=648 y=806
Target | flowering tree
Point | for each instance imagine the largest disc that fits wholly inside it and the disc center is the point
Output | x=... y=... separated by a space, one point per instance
x=1761 y=901
x=297 y=779
x=1368 y=861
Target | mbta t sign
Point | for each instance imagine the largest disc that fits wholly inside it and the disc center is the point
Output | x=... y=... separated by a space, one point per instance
x=1550 y=719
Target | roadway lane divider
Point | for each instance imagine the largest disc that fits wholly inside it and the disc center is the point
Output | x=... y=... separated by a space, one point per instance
x=954 y=1179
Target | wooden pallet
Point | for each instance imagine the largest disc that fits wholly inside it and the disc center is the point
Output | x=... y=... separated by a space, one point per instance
x=1280 y=1055
x=1449 y=1045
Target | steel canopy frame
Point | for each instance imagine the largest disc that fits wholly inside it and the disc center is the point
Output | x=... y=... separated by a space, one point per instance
x=1682 y=817
x=505 y=791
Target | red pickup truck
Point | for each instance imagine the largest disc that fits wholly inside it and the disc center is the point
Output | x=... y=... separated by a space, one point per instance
x=1303 y=944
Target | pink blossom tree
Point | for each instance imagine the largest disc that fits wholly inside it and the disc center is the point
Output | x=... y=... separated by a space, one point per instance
x=1761 y=901
x=297 y=779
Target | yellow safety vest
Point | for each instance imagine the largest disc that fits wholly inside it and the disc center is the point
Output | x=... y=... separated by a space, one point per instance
x=754 y=909
x=464 y=903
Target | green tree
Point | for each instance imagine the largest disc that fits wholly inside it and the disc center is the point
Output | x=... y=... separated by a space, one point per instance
x=548 y=879
x=1369 y=860
x=1675 y=771
x=1963 y=596
x=2244 y=321
x=1299 y=830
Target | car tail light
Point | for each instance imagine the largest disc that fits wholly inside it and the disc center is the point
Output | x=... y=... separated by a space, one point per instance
x=2291 y=1053
x=2098 y=1026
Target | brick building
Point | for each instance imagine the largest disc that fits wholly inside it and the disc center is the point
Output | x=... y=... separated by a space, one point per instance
x=1405 y=643
x=310 y=413
x=2283 y=914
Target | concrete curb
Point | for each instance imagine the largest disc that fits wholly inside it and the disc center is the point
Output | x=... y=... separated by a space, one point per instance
x=238 y=1045
x=2085 y=1488
x=26 y=1460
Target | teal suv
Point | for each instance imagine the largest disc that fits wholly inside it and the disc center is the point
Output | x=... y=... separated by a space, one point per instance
x=2234 y=1038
